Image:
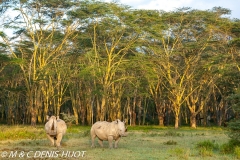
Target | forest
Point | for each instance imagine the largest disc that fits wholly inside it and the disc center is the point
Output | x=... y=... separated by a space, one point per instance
x=93 y=60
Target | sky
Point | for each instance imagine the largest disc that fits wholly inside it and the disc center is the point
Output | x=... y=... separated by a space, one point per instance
x=170 y=5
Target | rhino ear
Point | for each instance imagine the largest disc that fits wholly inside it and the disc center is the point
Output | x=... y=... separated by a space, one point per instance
x=47 y=117
x=116 y=121
x=57 y=117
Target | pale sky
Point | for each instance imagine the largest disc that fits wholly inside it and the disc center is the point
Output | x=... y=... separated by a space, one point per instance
x=170 y=5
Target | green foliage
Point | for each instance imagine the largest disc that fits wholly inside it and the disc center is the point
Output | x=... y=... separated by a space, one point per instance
x=228 y=148
x=205 y=152
x=208 y=145
x=237 y=152
x=234 y=127
x=235 y=100
x=138 y=52
x=206 y=148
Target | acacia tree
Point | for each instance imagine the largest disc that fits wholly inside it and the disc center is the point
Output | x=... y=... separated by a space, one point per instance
x=221 y=62
x=233 y=78
x=156 y=89
x=179 y=42
x=107 y=25
x=37 y=27
x=165 y=41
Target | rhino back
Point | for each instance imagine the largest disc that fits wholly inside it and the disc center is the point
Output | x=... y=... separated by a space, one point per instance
x=61 y=126
x=104 y=129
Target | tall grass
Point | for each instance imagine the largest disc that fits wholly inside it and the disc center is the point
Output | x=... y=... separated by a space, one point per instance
x=20 y=132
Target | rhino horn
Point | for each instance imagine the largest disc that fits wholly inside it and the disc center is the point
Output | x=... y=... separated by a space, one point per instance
x=52 y=127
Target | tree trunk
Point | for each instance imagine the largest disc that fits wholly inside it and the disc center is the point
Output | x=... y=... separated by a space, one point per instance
x=129 y=111
x=139 y=102
x=134 y=118
x=144 y=111
x=177 y=114
x=160 y=108
x=97 y=112
x=83 y=115
x=161 y=119
x=103 y=108
x=193 y=120
x=75 y=113
x=33 y=118
x=133 y=112
x=176 y=126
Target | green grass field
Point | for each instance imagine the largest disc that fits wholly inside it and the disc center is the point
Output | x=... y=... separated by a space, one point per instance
x=142 y=143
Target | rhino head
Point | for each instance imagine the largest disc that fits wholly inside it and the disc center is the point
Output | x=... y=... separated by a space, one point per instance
x=121 y=128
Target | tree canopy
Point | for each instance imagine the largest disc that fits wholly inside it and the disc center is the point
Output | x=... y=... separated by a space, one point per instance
x=101 y=61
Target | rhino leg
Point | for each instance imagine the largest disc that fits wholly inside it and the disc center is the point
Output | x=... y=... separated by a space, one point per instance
x=51 y=139
x=100 y=142
x=93 y=136
x=116 y=142
x=59 y=138
x=110 y=139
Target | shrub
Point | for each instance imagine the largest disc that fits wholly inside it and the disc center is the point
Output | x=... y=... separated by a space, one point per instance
x=206 y=148
x=228 y=148
x=69 y=119
x=234 y=127
x=207 y=145
x=205 y=152
x=234 y=124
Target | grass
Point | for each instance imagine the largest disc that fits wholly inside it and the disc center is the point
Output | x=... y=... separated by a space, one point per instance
x=142 y=142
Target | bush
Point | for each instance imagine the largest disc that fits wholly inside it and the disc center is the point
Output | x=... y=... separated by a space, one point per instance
x=205 y=152
x=69 y=119
x=234 y=125
x=207 y=145
x=206 y=148
x=228 y=148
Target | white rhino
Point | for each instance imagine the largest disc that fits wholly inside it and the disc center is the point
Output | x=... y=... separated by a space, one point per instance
x=55 y=129
x=108 y=131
